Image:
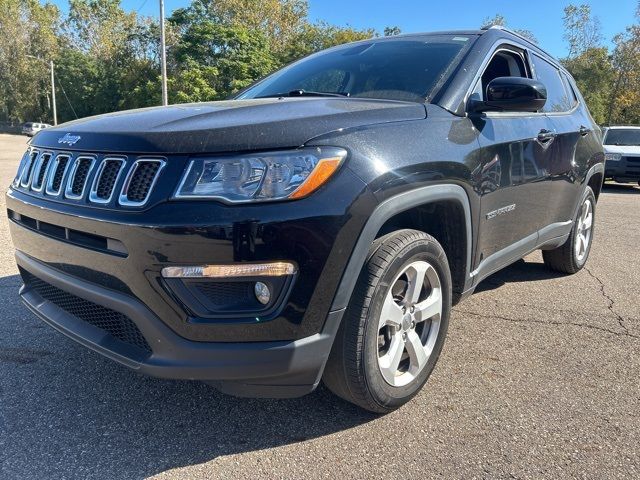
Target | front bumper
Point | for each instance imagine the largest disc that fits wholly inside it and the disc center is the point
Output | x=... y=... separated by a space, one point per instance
x=114 y=259
x=627 y=169
x=275 y=369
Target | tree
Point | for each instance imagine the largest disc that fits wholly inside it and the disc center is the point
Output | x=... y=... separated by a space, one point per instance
x=27 y=44
x=500 y=21
x=595 y=74
x=625 y=96
x=582 y=30
x=110 y=55
x=277 y=20
x=391 y=31
x=321 y=35
x=229 y=57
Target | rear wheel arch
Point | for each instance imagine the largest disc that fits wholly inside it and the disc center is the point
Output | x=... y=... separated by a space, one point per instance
x=594 y=179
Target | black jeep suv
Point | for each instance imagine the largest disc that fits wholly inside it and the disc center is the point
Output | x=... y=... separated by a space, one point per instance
x=320 y=225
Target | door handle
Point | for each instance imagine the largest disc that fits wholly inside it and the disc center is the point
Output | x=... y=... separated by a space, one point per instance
x=584 y=131
x=546 y=136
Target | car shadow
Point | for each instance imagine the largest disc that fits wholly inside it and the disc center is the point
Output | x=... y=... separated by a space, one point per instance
x=520 y=271
x=624 y=188
x=68 y=412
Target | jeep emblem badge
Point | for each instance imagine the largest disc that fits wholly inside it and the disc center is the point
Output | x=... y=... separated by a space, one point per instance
x=69 y=139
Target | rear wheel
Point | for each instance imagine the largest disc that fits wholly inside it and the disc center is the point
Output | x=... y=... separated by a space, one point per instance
x=395 y=325
x=573 y=254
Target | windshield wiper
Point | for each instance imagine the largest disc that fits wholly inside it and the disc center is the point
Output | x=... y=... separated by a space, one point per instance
x=305 y=93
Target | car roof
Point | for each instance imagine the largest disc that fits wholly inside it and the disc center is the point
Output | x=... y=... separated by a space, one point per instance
x=496 y=31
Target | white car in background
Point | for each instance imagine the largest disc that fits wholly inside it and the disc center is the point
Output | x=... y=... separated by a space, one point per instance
x=622 y=154
x=31 y=128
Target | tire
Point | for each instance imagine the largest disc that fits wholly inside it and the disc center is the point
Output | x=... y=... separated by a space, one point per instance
x=568 y=258
x=361 y=367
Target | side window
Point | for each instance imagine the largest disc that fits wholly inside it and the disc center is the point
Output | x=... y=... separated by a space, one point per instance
x=504 y=63
x=557 y=97
x=573 y=99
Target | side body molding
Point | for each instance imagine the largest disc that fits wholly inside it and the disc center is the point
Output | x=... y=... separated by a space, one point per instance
x=386 y=210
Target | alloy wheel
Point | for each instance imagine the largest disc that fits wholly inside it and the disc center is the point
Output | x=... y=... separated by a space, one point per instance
x=584 y=230
x=409 y=323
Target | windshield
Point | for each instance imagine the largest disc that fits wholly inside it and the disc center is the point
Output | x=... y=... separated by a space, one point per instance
x=619 y=136
x=406 y=70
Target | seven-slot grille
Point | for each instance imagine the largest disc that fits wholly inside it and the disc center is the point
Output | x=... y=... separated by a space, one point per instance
x=65 y=176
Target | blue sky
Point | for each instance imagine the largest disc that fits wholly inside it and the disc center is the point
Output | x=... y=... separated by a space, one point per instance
x=542 y=17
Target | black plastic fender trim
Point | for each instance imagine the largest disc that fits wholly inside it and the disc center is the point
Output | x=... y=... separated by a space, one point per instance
x=385 y=211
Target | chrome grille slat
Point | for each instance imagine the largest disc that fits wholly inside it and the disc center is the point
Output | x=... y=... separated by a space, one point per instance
x=79 y=177
x=21 y=166
x=25 y=177
x=40 y=171
x=106 y=179
x=140 y=181
x=57 y=173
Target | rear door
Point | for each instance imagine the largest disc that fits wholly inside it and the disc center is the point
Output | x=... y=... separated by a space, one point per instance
x=568 y=160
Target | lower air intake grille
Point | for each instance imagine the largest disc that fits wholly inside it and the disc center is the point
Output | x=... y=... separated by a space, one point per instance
x=142 y=180
x=114 y=323
x=223 y=294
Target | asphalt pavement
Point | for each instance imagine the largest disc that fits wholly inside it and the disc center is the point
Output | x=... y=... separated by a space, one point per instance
x=539 y=378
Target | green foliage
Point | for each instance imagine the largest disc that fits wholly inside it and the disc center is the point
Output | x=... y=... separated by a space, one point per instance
x=500 y=21
x=318 y=36
x=229 y=57
x=107 y=59
x=27 y=43
x=594 y=73
x=391 y=31
x=582 y=30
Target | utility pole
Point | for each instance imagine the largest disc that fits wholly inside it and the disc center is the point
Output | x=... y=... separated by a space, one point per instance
x=163 y=56
x=53 y=96
x=53 y=88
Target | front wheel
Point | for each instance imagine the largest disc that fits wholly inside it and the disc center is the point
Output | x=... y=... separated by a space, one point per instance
x=572 y=255
x=395 y=325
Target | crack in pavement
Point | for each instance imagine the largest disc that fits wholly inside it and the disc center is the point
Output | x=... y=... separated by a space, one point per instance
x=610 y=307
x=626 y=333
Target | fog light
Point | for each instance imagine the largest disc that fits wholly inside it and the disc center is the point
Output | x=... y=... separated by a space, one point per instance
x=263 y=294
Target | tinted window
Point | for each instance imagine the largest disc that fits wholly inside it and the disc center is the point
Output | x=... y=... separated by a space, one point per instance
x=557 y=97
x=396 y=69
x=570 y=91
x=619 y=136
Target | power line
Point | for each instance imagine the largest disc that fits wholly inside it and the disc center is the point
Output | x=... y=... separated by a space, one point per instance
x=141 y=6
x=68 y=101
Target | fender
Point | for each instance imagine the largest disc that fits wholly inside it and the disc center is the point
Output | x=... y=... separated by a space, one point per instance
x=386 y=210
x=597 y=168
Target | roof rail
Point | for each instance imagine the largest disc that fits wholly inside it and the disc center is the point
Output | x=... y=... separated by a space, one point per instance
x=512 y=32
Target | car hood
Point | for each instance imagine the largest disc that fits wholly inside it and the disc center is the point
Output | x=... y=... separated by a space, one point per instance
x=233 y=125
x=623 y=149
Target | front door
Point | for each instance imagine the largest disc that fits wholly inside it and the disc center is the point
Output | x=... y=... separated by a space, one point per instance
x=516 y=148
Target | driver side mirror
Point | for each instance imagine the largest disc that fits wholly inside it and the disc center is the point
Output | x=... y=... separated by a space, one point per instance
x=511 y=94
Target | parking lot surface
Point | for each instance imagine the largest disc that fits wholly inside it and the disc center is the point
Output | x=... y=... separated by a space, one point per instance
x=539 y=378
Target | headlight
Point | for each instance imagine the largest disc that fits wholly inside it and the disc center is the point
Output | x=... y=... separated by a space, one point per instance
x=260 y=176
x=612 y=157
